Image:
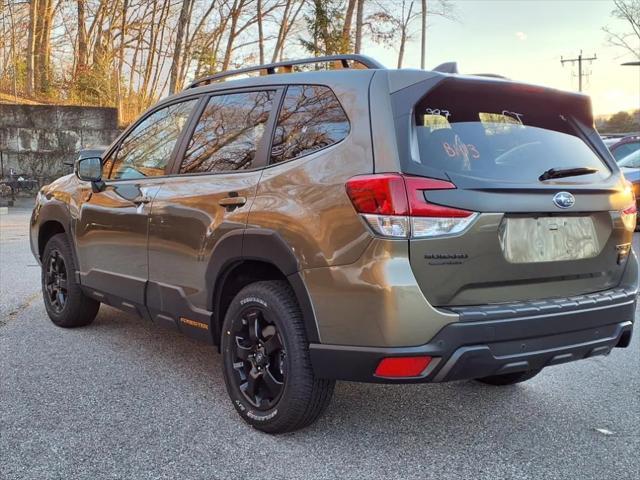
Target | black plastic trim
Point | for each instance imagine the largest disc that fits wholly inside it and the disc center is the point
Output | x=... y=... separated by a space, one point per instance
x=502 y=345
x=260 y=245
x=534 y=307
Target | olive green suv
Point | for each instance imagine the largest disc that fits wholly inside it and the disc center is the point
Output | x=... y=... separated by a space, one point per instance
x=329 y=219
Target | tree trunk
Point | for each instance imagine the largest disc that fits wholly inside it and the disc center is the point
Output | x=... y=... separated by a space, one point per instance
x=236 y=10
x=403 y=39
x=31 y=46
x=177 y=50
x=260 y=32
x=81 y=54
x=281 y=31
x=123 y=27
x=404 y=28
x=359 y=22
x=423 y=45
x=44 y=45
x=346 y=28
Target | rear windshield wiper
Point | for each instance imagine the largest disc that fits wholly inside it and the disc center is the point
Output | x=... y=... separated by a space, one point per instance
x=566 y=172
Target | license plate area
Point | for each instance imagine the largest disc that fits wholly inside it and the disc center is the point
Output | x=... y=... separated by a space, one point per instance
x=548 y=238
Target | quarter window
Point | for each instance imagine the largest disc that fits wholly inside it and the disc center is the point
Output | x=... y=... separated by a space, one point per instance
x=146 y=150
x=311 y=118
x=228 y=132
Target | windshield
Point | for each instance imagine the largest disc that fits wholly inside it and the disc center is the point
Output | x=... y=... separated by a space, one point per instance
x=500 y=136
x=631 y=161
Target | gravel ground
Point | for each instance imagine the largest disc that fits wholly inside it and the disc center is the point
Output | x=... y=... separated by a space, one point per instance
x=125 y=399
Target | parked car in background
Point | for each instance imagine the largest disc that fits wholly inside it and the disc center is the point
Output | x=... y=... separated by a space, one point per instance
x=630 y=166
x=621 y=147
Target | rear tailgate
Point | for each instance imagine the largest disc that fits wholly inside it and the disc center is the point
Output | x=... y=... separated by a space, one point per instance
x=532 y=237
x=530 y=251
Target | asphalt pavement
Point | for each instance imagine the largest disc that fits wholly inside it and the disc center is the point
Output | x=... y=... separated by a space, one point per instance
x=123 y=398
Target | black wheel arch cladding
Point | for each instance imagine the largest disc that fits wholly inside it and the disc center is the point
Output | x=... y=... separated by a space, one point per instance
x=259 y=245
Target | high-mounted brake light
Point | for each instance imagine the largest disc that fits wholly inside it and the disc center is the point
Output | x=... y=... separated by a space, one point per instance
x=395 y=206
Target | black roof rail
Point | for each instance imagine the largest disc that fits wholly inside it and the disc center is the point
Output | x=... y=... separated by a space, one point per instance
x=270 y=68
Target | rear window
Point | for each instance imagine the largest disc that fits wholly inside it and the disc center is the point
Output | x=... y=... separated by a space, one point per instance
x=498 y=135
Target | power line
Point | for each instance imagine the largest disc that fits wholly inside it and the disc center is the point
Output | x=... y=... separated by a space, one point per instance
x=579 y=60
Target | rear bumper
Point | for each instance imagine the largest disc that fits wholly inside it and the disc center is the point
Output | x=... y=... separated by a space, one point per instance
x=489 y=341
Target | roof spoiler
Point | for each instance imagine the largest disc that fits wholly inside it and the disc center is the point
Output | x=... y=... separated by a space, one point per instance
x=452 y=67
x=447 y=67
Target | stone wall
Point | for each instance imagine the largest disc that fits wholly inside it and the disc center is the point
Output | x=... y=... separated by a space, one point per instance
x=36 y=140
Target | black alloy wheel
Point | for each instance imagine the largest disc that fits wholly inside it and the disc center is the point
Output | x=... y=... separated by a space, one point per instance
x=266 y=363
x=55 y=281
x=64 y=300
x=258 y=358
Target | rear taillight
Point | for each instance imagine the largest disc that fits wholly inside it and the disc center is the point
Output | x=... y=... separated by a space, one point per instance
x=394 y=206
x=630 y=214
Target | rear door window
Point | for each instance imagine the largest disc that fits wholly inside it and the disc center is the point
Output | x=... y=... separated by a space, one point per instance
x=228 y=133
x=500 y=136
x=311 y=118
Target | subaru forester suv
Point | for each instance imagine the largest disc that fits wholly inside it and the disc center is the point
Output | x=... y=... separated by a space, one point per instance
x=351 y=223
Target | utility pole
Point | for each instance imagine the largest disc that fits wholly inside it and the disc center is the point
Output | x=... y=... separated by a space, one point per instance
x=580 y=59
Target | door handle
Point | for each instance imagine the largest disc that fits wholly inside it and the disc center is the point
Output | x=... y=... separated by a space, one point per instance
x=232 y=201
x=141 y=199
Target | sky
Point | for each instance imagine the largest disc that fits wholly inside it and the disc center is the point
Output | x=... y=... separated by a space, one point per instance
x=524 y=40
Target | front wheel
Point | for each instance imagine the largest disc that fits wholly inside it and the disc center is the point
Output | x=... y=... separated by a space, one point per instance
x=64 y=300
x=267 y=369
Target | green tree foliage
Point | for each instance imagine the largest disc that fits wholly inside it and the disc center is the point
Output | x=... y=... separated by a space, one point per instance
x=325 y=22
x=622 y=122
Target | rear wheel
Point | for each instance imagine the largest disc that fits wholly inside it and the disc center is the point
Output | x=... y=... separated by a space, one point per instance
x=66 y=304
x=508 y=378
x=267 y=369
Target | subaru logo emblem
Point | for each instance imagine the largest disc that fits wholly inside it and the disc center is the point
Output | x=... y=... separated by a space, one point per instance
x=564 y=200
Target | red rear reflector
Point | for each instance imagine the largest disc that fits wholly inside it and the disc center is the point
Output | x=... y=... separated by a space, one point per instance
x=402 y=366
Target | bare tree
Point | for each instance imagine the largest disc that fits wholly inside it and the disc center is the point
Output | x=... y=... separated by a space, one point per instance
x=346 y=27
x=81 y=52
x=629 y=40
x=291 y=12
x=185 y=18
x=392 y=22
x=31 y=47
x=260 y=31
x=423 y=34
x=359 y=25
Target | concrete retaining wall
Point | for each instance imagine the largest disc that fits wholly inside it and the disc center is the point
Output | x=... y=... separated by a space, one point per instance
x=36 y=140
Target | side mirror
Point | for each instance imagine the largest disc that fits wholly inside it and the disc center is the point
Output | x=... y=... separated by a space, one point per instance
x=89 y=169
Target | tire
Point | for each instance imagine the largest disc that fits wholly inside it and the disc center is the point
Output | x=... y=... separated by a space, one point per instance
x=266 y=363
x=508 y=378
x=66 y=304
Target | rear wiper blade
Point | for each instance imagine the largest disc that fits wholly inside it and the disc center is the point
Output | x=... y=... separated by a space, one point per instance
x=566 y=172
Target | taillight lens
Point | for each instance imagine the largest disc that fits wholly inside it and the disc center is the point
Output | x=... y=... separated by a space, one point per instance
x=394 y=206
x=630 y=214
